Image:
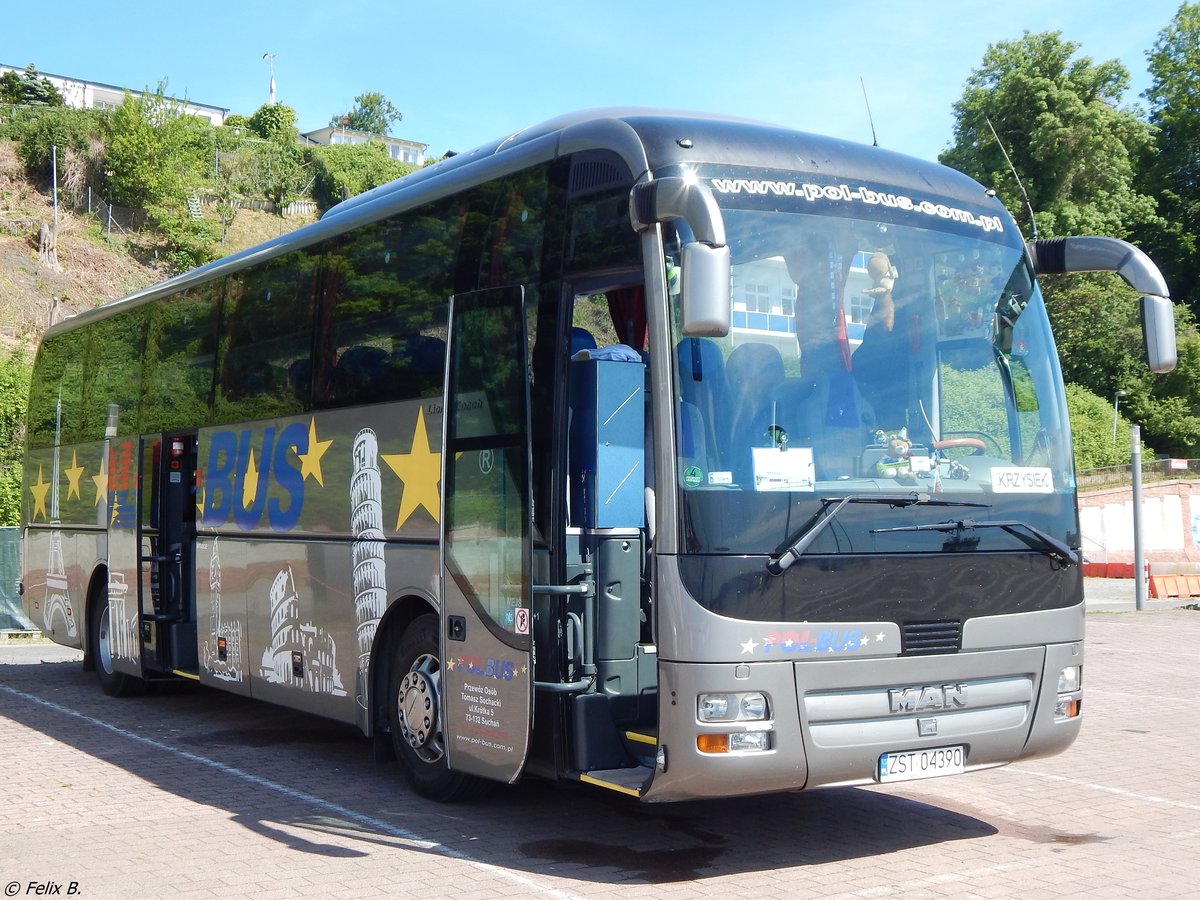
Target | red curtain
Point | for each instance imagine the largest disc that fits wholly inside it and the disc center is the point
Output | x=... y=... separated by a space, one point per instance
x=628 y=310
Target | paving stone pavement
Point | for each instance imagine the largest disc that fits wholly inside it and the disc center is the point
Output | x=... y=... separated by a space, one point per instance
x=194 y=793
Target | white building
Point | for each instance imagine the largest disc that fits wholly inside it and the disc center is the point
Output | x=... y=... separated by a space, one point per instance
x=399 y=149
x=80 y=94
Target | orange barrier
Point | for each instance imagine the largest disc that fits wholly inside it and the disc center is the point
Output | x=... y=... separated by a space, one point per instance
x=1163 y=586
x=1168 y=586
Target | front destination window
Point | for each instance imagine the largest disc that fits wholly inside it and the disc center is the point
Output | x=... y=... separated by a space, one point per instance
x=889 y=386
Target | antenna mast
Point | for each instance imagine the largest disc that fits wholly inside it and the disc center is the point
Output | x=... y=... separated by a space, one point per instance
x=870 y=118
x=1013 y=169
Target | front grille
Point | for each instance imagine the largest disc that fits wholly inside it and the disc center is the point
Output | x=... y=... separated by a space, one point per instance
x=931 y=637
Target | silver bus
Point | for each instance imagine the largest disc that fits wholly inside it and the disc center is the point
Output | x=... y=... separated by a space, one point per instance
x=679 y=455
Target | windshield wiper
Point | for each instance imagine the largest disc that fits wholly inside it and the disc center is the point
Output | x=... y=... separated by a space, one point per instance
x=831 y=506
x=1031 y=536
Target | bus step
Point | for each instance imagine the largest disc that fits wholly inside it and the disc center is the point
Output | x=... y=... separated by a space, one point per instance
x=626 y=781
x=642 y=734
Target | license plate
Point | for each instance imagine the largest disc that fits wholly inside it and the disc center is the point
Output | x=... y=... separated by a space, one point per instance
x=912 y=764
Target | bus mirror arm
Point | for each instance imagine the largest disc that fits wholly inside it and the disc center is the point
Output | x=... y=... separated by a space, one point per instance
x=705 y=264
x=1104 y=254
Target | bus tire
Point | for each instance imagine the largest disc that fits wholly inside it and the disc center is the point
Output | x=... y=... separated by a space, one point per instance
x=414 y=715
x=112 y=682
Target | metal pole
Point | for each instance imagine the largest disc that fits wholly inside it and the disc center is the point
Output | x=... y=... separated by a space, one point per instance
x=54 y=183
x=1139 y=554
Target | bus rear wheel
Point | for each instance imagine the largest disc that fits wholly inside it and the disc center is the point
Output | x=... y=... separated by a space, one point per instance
x=414 y=714
x=112 y=682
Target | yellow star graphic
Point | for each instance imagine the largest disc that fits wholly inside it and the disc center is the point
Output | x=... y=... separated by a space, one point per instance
x=73 y=475
x=421 y=471
x=250 y=483
x=39 y=491
x=310 y=462
x=101 y=481
x=450 y=665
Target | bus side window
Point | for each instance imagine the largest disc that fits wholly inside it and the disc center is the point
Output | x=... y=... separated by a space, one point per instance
x=112 y=374
x=56 y=391
x=384 y=311
x=267 y=327
x=181 y=346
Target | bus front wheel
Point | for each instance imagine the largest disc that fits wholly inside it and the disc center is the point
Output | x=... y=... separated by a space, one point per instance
x=414 y=713
x=112 y=682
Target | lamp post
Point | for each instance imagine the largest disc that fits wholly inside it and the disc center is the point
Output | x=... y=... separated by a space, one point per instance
x=1116 y=405
x=108 y=176
x=270 y=58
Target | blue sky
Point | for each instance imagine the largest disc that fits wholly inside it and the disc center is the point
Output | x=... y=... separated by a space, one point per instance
x=467 y=71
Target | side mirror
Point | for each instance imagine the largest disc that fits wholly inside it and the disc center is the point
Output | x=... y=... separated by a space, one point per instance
x=1158 y=334
x=704 y=288
x=1103 y=254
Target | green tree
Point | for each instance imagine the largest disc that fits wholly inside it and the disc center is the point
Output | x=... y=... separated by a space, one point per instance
x=1076 y=149
x=1092 y=431
x=343 y=170
x=156 y=152
x=279 y=171
x=274 y=122
x=37 y=130
x=28 y=89
x=1061 y=120
x=372 y=113
x=157 y=156
x=1098 y=331
x=14 y=394
x=1172 y=171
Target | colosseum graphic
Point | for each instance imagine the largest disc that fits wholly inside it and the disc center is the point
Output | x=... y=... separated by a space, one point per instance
x=293 y=640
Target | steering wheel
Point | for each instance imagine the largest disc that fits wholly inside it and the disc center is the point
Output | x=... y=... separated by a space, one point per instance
x=976 y=444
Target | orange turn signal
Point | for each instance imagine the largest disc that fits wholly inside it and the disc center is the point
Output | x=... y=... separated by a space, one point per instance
x=712 y=743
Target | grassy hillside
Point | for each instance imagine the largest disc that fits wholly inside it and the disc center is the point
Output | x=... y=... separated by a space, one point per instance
x=94 y=270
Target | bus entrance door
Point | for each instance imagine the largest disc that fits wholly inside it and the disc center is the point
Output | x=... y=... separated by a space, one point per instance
x=166 y=538
x=487 y=648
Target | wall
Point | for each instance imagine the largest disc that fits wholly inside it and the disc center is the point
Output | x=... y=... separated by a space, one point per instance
x=1170 y=523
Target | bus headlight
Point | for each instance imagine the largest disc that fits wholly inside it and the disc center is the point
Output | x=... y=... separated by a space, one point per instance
x=749 y=707
x=736 y=742
x=1068 y=679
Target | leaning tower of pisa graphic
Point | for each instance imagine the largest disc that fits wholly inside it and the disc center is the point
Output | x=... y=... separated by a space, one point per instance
x=366 y=526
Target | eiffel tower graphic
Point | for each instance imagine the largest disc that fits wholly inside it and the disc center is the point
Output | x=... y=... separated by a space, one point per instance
x=58 y=594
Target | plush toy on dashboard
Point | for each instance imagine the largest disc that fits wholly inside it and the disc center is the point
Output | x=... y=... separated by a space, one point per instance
x=883 y=279
x=897 y=460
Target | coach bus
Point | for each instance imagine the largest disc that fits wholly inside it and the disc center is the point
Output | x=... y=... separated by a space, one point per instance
x=683 y=456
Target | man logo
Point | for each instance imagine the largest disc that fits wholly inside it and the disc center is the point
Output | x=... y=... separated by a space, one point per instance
x=927 y=698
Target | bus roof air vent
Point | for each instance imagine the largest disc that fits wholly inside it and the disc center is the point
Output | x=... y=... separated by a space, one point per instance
x=592 y=172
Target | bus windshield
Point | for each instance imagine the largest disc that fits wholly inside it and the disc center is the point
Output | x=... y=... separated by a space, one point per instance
x=880 y=351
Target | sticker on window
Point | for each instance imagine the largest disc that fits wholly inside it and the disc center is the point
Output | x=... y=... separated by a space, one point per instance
x=1022 y=480
x=784 y=470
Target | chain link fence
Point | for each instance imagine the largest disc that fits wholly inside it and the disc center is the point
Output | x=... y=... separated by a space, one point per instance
x=1122 y=476
x=12 y=617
